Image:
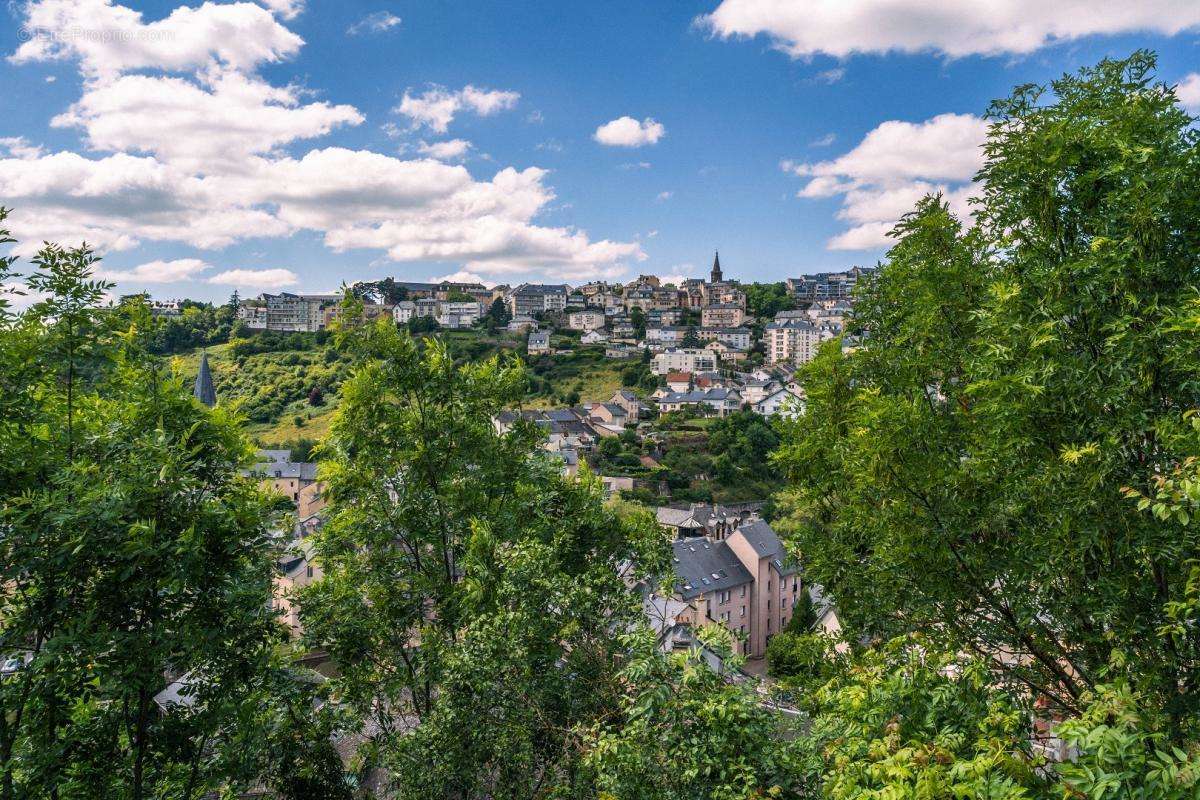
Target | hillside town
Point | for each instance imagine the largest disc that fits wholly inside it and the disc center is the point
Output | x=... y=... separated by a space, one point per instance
x=710 y=358
x=410 y=401
x=700 y=337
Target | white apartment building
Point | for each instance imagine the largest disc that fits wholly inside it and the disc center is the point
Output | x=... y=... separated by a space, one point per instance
x=734 y=337
x=459 y=314
x=425 y=307
x=665 y=335
x=403 y=311
x=530 y=298
x=588 y=320
x=794 y=341
x=684 y=360
x=784 y=400
x=291 y=313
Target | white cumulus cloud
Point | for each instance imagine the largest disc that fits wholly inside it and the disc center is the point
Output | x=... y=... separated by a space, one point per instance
x=255 y=278
x=108 y=39
x=436 y=107
x=222 y=115
x=287 y=9
x=951 y=27
x=20 y=147
x=180 y=269
x=628 y=132
x=449 y=150
x=189 y=143
x=894 y=166
x=462 y=276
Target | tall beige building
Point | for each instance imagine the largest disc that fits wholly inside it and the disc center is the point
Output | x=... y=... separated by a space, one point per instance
x=743 y=581
x=795 y=340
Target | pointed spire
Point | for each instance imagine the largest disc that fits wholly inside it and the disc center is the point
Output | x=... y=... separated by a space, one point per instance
x=204 y=391
x=716 y=270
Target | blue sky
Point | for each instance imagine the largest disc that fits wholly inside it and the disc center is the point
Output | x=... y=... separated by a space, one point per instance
x=236 y=145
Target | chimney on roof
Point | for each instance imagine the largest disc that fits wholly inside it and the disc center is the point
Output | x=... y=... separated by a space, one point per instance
x=204 y=390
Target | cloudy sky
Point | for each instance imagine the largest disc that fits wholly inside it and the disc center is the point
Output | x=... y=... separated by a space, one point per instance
x=285 y=144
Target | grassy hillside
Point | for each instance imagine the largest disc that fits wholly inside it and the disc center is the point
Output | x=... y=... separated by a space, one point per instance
x=581 y=376
x=272 y=388
x=271 y=378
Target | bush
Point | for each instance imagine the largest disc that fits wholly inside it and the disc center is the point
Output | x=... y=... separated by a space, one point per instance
x=801 y=656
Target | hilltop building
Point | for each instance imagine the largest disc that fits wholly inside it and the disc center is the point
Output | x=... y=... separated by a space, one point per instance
x=828 y=285
x=287 y=312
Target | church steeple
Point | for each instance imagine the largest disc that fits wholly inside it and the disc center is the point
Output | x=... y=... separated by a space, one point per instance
x=204 y=390
x=716 y=270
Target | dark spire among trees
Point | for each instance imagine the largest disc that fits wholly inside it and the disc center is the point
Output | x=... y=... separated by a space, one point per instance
x=204 y=391
x=716 y=270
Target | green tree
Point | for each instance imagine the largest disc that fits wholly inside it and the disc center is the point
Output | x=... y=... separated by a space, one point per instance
x=963 y=471
x=690 y=338
x=744 y=442
x=907 y=722
x=686 y=731
x=1124 y=751
x=765 y=300
x=638 y=318
x=133 y=554
x=471 y=592
x=497 y=315
x=423 y=324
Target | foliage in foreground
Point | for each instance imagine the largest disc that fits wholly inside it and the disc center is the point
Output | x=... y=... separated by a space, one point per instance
x=132 y=554
x=964 y=472
x=471 y=592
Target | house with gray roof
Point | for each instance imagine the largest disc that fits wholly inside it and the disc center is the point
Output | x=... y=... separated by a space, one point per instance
x=745 y=581
x=719 y=400
x=278 y=471
x=702 y=519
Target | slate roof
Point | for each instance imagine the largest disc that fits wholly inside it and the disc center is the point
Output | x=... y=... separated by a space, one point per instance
x=555 y=420
x=278 y=464
x=766 y=544
x=204 y=390
x=696 y=515
x=696 y=396
x=796 y=324
x=702 y=566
